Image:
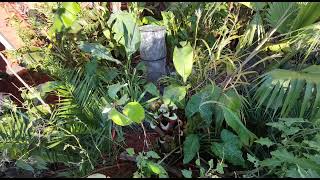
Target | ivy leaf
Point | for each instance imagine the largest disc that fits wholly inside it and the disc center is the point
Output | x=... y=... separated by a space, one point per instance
x=183 y=61
x=98 y=51
x=118 y=118
x=134 y=111
x=190 y=147
x=265 y=141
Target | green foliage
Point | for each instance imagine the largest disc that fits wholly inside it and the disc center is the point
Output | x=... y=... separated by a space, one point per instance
x=147 y=166
x=186 y=173
x=190 y=147
x=295 y=152
x=134 y=111
x=306 y=16
x=98 y=51
x=126 y=31
x=183 y=60
x=275 y=13
x=174 y=94
x=283 y=89
x=265 y=141
x=229 y=149
x=219 y=49
x=65 y=16
x=225 y=105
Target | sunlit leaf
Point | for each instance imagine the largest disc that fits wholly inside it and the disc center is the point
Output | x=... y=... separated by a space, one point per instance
x=119 y=118
x=183 y=60
x=134 y=111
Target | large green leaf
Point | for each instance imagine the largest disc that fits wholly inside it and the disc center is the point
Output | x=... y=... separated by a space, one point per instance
x=275 y=13
x=174 y=94
x=190 y=147
x=233 y=120
x=229 y=149
x=114 y=89
x=152 y=89
x=286 y=89
x=98 y=51
x=308 y=14
x=126 y=31
x=65 y=17
x=183 y=60
x=119 y=118
x=134 y=111
x=197 y=103
x=224 y=105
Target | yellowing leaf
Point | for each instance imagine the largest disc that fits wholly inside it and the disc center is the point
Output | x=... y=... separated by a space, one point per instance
x=118 y=118
x=134 y=111
x=183 y=60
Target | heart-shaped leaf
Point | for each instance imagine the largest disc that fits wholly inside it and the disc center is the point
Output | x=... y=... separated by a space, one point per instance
x=134 y=111
x=97 y=51
x=190 y=147
x=183 y=61
x=118 y=118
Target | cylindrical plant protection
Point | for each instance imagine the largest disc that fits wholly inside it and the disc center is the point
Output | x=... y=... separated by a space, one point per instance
x=153 y=51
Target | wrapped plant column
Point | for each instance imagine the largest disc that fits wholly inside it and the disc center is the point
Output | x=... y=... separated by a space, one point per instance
x=153 y=51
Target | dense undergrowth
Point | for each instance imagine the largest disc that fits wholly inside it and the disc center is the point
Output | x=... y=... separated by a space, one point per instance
x=243 y=100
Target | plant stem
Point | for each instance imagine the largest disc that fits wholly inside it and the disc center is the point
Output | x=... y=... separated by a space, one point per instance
x=25 y=84
x=145 y=135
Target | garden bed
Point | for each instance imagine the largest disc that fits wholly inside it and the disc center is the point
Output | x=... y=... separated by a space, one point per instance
x=241 y=98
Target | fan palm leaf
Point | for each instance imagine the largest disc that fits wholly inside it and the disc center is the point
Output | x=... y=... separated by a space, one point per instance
x=282 y=90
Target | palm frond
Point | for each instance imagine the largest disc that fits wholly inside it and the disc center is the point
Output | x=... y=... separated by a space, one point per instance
x=285 y=89
x=275 y=13
x=307 y=15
